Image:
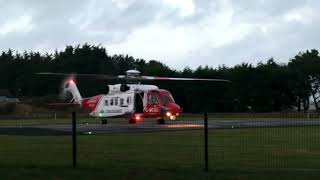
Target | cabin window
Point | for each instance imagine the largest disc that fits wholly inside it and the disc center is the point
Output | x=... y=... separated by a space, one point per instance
x=128 y=100
x=106 y=103
x=116 y=101
x=111 y=102
x=121 y=102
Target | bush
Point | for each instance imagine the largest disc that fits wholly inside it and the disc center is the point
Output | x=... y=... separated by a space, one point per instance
x=7 y=108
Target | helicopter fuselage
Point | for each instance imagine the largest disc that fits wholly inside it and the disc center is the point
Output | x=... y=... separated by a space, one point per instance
x=137 y=102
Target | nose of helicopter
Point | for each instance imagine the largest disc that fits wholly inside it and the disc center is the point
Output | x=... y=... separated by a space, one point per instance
x=174 y=110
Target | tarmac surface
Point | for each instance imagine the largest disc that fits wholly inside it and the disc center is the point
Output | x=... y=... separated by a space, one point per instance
x=87 y=128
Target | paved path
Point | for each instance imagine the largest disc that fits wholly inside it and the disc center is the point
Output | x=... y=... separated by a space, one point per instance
x=64 y=129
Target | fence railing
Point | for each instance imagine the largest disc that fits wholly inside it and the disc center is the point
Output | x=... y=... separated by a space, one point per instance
x=238 y=141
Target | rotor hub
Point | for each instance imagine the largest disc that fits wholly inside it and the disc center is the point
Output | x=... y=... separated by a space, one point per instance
x=133 y=73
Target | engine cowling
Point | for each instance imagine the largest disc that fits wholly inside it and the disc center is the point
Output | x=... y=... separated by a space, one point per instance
x=124 y=88
x=106 y=91
x=128 y=87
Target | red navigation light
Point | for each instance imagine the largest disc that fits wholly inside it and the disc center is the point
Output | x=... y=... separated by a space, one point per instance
x=138 y=117
x=71 y=82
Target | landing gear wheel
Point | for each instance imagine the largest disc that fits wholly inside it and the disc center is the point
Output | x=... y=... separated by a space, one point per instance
x=160 y=121
x=132 y=121
x=104 y=121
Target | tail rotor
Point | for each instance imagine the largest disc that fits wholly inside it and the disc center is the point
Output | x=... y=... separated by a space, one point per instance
x=70 y=91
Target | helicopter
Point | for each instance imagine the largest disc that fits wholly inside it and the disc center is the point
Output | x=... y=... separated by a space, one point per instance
x=132 y=99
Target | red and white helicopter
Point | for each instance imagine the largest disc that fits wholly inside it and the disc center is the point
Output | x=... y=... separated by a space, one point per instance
x=138 y=101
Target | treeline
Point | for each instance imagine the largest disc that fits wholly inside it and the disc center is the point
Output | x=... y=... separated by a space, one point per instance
x=264 y=87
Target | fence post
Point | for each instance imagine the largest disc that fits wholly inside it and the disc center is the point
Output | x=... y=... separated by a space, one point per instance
x=206 y=152
x=74 y=139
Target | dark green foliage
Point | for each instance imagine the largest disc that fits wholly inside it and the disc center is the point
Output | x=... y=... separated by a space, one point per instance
x=265 y=87
x=7 y=108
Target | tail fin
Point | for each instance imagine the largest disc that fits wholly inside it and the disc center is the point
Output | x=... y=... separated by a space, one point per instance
x=70 y=88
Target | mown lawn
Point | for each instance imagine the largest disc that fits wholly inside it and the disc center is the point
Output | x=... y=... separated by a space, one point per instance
x=262 y=153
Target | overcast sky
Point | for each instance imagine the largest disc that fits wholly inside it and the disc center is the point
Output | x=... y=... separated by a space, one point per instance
x=177 y=32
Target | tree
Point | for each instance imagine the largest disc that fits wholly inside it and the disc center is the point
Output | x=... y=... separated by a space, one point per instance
x=305 y=67
x=264 y=87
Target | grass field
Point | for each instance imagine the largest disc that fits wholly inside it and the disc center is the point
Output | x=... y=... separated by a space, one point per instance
x=264 y=153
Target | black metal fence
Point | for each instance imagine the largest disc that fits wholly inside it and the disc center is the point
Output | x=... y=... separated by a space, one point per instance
x=230 y=141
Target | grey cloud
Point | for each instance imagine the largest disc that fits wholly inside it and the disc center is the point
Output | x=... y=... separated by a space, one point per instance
x=51 y=20
x=258 y=47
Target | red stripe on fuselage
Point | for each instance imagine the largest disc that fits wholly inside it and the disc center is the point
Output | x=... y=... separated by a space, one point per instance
x=91 y=103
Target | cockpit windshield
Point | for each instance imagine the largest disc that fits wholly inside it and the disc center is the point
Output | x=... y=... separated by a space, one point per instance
x=165 y=98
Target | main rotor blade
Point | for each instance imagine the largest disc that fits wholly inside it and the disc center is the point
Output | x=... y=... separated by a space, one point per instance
x=80 y=75
x=157 y=78
x=137 y=78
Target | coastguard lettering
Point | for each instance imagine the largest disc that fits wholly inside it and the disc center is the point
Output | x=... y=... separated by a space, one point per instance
x=114 y=111
x=154 y=109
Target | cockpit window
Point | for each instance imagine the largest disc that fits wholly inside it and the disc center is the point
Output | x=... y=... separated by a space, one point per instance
x=165 y=98
x=152 y=99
